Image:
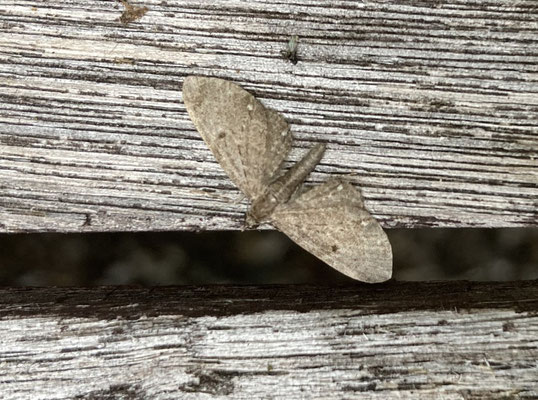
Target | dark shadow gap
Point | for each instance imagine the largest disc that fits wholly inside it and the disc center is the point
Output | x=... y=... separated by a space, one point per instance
x=254 y=257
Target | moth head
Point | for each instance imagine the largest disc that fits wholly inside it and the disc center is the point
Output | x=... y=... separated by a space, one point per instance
x=250 y=221
x=260 y=209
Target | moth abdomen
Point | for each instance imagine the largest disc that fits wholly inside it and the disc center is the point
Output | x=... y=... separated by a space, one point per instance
x=280 y=190
x=283 y=187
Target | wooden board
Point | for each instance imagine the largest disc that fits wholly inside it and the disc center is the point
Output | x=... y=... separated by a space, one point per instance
x=454 y=340
x=431 y=107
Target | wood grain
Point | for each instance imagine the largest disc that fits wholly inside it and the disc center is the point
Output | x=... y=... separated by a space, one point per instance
x=454 y=340
x=430 y=107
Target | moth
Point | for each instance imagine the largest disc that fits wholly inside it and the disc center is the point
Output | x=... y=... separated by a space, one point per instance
x=251 y=143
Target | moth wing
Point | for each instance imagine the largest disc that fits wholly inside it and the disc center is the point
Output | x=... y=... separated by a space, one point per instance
x=248 y=140
x=330 y=221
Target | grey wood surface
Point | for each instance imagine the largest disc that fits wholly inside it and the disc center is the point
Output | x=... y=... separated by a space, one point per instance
x=455 y=340
x=430 y=107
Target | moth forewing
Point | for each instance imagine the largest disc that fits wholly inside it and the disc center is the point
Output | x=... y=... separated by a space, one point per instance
x=249 y=141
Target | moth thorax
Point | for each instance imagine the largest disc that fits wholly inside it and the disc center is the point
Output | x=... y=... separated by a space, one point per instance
x=263 y=206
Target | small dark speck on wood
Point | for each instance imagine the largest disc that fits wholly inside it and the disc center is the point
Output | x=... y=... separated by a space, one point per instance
x=509 y=327
x=291 y=50
x=131 y=13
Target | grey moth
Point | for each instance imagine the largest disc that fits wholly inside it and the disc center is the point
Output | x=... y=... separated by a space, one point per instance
x=251 y=142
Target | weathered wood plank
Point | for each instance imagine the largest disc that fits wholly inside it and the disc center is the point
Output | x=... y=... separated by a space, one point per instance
x=453 y=340
x=432 y=107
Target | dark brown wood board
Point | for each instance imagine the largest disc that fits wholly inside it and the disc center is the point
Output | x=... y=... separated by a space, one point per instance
x=456 y=340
